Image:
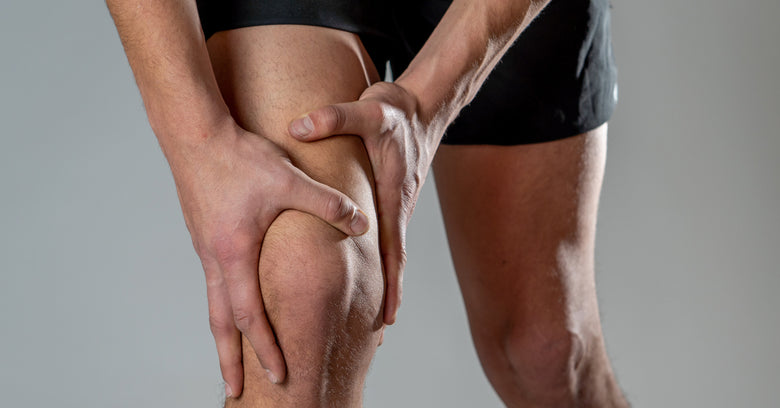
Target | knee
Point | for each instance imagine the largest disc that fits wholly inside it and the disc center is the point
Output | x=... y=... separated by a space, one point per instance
x=307 y=266
x=543 y=362
x=323 y=292
x=535 y=363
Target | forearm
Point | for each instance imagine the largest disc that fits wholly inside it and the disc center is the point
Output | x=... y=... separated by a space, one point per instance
x=460 y=53
x=167 y=53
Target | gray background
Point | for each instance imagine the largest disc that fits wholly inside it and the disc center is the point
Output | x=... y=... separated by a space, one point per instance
x=102 y=300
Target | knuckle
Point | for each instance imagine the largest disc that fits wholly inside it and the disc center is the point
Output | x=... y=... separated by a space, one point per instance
x=408 y=190
x=395 y=259
x=334 y=117
x=376 y=112
x=243 y=319
x=337 y=207
x=228 y=248
x=218 y=326
x=402 y=259
x=283 y=176
x=273 y=179
x=214 y=281
x=224 y=251
x=407 y=203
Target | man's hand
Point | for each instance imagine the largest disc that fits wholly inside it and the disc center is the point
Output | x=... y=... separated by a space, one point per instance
x=231 y=187
x=386 y=118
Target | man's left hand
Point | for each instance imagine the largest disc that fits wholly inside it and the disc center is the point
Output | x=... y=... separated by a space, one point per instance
x=400 y=150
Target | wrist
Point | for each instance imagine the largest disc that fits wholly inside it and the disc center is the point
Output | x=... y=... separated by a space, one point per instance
x=189 y=119
x=433 y=113
x=187 y=137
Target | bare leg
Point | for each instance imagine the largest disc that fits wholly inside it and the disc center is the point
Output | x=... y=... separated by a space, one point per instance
x=323 y=290
x=521 y=226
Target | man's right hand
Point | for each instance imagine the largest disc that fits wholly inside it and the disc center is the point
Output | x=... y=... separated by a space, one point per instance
x=232 y=185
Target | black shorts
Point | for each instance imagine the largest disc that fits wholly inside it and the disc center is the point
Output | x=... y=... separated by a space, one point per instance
x=557 y=80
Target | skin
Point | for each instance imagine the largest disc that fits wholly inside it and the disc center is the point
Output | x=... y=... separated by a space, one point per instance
x=224 y=175
x=322 y=289
x=220 y=185
x=226 y=162
x=528 y=284
x=402 y=123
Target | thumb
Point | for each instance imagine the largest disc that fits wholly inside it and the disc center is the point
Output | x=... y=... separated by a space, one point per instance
x=361 y=118
x=329 y=204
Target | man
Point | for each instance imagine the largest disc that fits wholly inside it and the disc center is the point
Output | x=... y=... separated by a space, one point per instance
x=299 y=221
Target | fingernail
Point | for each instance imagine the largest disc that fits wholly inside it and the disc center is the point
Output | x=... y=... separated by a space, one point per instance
x=272 y=377
x=359 y=224
x=302 y=126
x=228 y=391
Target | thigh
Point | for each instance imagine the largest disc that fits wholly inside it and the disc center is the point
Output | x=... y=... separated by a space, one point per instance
x=269 y=75
x=322 y=289
x=520 y=222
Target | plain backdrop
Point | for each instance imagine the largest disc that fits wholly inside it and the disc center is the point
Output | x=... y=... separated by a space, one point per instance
x=102 y=299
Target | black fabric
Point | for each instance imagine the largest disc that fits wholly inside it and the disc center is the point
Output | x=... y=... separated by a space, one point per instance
x=557 y=80
x=364 y=17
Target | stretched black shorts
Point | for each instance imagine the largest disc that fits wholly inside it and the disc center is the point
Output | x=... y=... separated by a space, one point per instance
x=557 y=80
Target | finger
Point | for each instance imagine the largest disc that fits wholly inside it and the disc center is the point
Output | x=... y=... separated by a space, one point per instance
x=227 y=337
x=392 y=231
x=362 y=118
x=239 y=266
x=325 y=202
